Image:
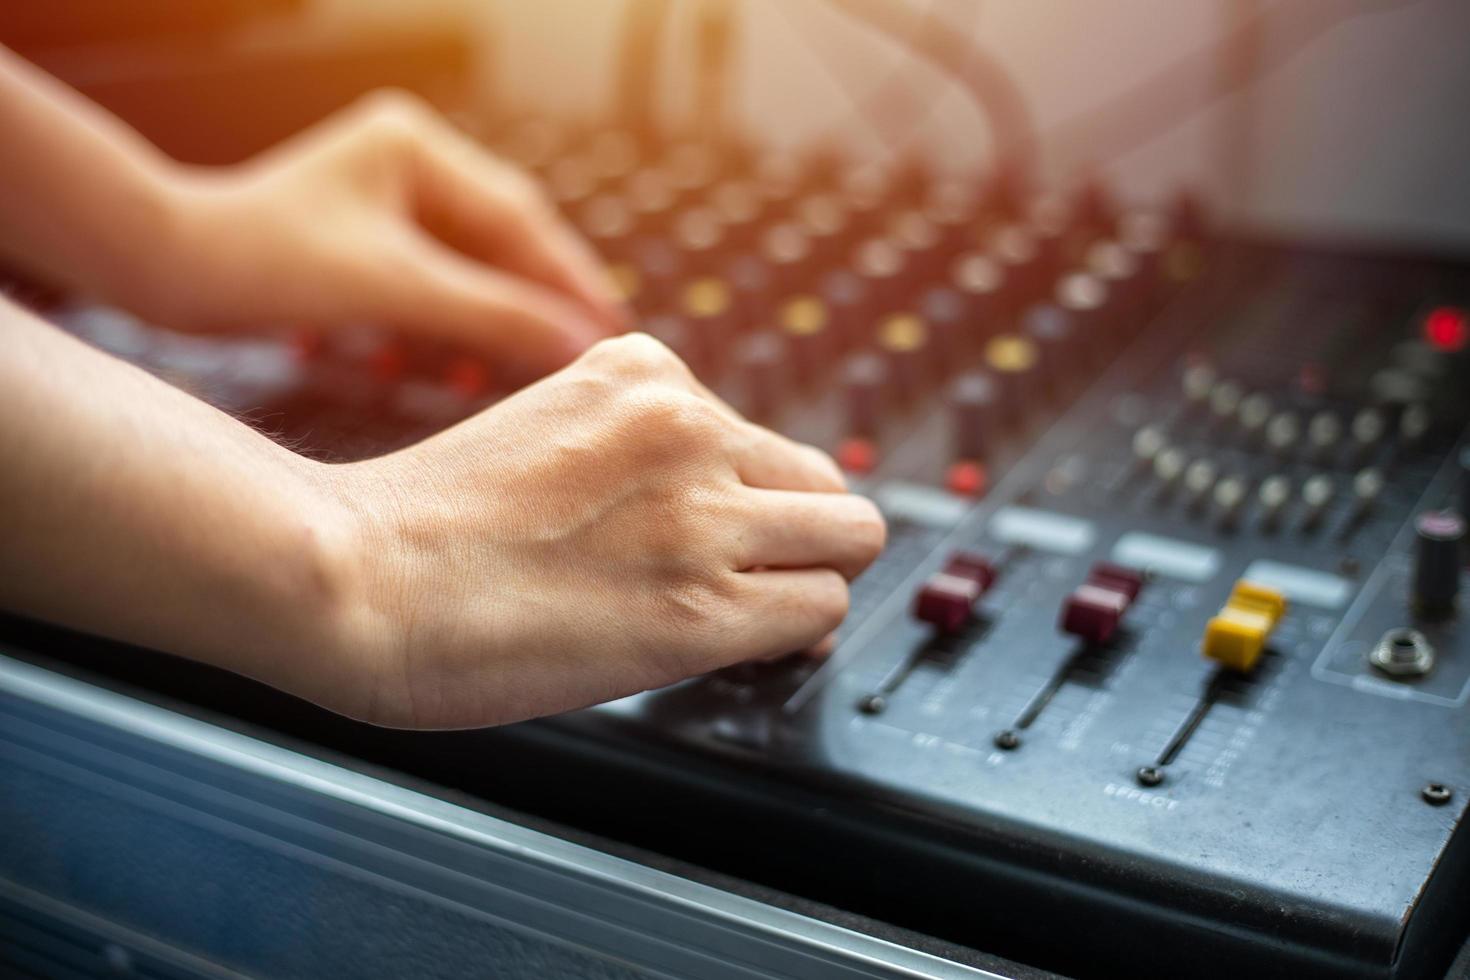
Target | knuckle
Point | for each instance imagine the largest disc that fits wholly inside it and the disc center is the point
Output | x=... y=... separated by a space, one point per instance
x=826 y=600
x=826 y=465
x=524 y=191
x=695 y=613
x=395 y=112
x=633 y=353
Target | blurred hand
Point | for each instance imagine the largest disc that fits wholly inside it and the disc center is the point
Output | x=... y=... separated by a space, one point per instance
x=614 y=527
x=385 y=214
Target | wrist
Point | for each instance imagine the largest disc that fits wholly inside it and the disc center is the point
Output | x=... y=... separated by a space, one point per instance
x=319 y=630
x=138 y=255
x=350 y=571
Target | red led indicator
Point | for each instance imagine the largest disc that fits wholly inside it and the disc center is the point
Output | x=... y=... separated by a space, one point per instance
x=1447 y=328
x=467 y=377
x=966 y=478
x=857 y=456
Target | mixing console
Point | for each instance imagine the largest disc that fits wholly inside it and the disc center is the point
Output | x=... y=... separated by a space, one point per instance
x=1165 y=666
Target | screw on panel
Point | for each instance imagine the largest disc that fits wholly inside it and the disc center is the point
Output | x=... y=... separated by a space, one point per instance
x=1008 y=739
x=1436 y=794
x=1150 y=775
x=872 y=704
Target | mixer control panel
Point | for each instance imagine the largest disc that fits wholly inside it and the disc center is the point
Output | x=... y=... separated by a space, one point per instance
x=1171 y=638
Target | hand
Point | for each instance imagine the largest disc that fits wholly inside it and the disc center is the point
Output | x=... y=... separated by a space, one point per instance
x=383 y=214
x=614 y=527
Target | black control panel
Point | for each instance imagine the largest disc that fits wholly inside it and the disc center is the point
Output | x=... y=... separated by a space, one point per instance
x=1166 y=665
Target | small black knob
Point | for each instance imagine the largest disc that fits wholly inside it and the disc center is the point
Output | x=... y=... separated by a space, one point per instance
x=1441 y=536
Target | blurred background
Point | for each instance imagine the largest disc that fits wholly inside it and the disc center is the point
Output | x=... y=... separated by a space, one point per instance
x=1337 y=118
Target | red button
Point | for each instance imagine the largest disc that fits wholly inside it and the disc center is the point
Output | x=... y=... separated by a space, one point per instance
x=307 y=344
x=967 y=478
x=1119 y=578
x=945 y=601
x=467 y=377
x=1092 y=612
x=388 y=362
x=975 y=567
x=857 y=456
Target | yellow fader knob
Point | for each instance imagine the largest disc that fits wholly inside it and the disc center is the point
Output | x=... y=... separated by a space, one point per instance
x=1237 y=637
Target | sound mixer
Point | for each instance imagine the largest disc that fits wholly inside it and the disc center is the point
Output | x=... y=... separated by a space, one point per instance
x=1145 y=235
x=804 y=322
x=1148 y=441
x=1169 y=466
x=904 y=340
x=826 y=224
x=1049 y=219
x=944 y=309
x=1414 y=424
x=1199 y=480
x=1085 y=298
x=1323 y=433
x=1282 y=434
x=974 y=412
x=675 y=332
x=740 y=207
x=761 y=363
x=653 y=198
x=707 y=305
x=1195 y=383
x=693 y=167
x=1272 y=497
x=780 y=176
x=1050 y=328
x=787 y=252
x=880 y=265
x=863 y=190
x=612 y=154
x=570 y=182
x=1366 y=432
x=1225 y=398
x=609 y=222
x=1228 y=498
x=1367 y=488
x=1440 y=537
x=845 y=296
x=950 y=205
x=1127 y=297
x=699 y=235
x=1019 y=255
x=1255 y=411
x=1015 y=363
x=864 y=393
x=1317 y=494
x=1237 y=637
x=981 y=281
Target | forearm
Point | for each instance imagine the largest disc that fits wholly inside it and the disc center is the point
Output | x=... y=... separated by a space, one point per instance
x=81 y=194
x=133 y=510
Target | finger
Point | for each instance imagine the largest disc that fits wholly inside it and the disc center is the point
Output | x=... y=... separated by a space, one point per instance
x=493 y=212
x=785 y=611
x=528 y=328
x=771 y=461
x=796 y=529
x=823 y=648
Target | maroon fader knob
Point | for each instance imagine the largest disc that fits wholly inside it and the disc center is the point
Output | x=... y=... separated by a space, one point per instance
x=1092 y=613
x=946 y=601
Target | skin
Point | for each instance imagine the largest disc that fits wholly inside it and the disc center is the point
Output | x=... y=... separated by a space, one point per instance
x=610 y=528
